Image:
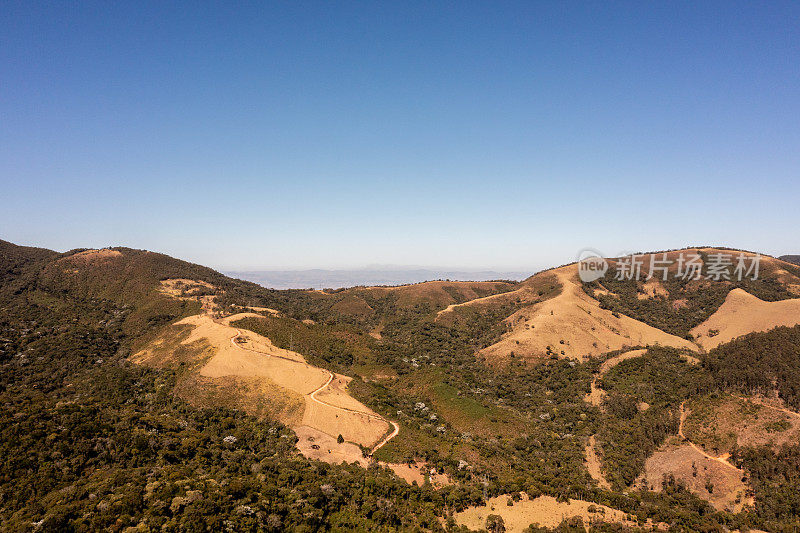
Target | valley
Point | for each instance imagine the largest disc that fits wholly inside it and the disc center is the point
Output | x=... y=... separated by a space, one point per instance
x=564 y=399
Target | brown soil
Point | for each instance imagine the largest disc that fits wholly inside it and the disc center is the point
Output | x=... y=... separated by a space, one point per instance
x=593 y=464
x=315 y=444
x=698 y=473
x=415 y=473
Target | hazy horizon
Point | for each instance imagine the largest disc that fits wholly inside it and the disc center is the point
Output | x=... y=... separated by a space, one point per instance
x=340 y=278
x=531 y=268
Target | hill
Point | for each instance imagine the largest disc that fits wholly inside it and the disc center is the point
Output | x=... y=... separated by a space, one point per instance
x=574 y=325
x=14 y=258
x=742 y=313
x=794 y=259
x=138 y=390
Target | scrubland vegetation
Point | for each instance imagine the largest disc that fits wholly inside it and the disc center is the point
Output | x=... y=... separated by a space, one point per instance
x=91 y=441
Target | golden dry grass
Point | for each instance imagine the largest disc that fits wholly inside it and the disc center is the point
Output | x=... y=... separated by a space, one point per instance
x=575 y=324
x=524 y=294
x=180 y=286
x=92 y=256
x=257 y=396
x=190 y=289
x=225 y=356
x=435 y=293
x=315 y=444
x=652 y=288
x=412 y=474
x=415 y=473
x=743 y=313
x=273 y=312
x=355 y=427
x=229 y=359
x=543 y=510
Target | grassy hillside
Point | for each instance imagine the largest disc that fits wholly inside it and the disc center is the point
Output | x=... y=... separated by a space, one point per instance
x=91 y=441
x=677 y=305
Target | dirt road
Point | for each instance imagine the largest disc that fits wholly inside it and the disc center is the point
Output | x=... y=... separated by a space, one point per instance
x=721 y=459
x=313 y=395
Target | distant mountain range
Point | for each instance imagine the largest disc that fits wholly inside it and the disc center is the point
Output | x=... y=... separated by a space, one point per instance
x=335 y=279
x=794 y=259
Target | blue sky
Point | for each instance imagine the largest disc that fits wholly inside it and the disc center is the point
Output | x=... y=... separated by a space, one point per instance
x=468 y=134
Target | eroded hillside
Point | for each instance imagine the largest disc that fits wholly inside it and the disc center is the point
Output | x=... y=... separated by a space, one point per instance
x=223 y=365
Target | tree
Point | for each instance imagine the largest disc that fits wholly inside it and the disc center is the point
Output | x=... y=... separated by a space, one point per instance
x=495 y=524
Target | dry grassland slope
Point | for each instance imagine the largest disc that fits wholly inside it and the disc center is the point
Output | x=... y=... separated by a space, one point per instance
x=234 y=354
x=743 y=313
x=575 y=324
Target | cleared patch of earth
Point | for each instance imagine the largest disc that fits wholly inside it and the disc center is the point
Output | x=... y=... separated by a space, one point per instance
x=191 y=289
x=545 y=511
x=711 y=479
x=652 y=288
x=316 y=444
x=720 y=423
x=593 y=464
x=227 y=355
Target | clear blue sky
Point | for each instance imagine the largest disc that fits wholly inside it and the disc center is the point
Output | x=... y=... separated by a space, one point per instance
x=486 y=134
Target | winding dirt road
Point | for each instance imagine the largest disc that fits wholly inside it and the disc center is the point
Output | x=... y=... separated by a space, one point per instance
x=475 y=301
x=313 y=395
x=595 y=397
